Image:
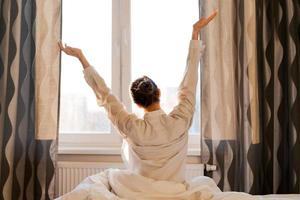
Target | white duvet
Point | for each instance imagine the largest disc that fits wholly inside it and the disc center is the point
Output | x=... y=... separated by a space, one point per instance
x=114 y=184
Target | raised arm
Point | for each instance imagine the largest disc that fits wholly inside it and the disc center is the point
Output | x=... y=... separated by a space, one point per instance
x=124 y=121
x=184 y=111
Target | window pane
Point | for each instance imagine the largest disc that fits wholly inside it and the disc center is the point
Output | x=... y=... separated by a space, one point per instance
x=161 y=31
x=86 y=25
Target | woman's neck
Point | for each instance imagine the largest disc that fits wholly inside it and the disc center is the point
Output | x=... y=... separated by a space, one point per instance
x=152 y=107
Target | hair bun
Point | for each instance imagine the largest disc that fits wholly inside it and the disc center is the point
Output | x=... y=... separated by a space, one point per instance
x=146 y=87
x=144 y=91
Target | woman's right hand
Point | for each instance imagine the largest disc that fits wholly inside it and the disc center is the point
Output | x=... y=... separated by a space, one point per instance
x=202 y=23
x=71 y=51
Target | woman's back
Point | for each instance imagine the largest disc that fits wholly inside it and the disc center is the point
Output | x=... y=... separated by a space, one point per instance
x=159 y=149
x=155 y=146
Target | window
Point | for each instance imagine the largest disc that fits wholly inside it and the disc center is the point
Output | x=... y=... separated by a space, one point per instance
x=90 y=31
x=83 y=124
x=158 y=44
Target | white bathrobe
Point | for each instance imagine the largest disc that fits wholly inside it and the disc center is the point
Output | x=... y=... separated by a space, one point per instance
x=155 y=146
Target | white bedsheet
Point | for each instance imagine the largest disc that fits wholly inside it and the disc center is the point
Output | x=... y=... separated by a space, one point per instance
x=114 y=184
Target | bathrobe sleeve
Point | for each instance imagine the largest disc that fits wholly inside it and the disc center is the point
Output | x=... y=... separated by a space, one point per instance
x=124 y=121
x=183 y=112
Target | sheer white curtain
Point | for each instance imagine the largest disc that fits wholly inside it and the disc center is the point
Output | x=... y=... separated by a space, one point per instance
x=229 y=91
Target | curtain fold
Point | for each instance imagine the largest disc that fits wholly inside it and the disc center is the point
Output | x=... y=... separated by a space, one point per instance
x=250 y=95
x=279 y=63
x=229 y=104
x=47 y=61
x=26 y=164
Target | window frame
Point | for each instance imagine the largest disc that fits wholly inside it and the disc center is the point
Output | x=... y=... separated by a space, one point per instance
x=110 y=143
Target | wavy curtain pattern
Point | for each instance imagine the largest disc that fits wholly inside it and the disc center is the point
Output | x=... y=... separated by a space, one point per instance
x=278 y=44
x=29 y=65
x=250 y=95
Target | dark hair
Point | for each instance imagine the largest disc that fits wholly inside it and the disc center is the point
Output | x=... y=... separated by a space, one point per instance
x=144 y=91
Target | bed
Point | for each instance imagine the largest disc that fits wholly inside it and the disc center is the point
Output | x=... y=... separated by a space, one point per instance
x=115 y=184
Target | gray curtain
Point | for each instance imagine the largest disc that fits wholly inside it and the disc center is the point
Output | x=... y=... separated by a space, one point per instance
x=278 y=51
x=26 y=36
x=250 y=95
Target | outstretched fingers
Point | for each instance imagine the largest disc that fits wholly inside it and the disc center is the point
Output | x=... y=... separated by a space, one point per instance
x=211 y=17
x=61 y=46
x=65 y=48
x=204 y=21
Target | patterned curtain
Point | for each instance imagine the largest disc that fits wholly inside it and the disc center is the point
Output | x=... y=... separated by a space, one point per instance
x=250 y=102
x=278 y=50
x=29 y=63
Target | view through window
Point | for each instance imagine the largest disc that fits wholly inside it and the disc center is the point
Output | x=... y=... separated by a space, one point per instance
x=160 y=35
x=86 y=25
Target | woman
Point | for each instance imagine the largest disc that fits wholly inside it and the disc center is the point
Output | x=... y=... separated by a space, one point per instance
x=155 y=146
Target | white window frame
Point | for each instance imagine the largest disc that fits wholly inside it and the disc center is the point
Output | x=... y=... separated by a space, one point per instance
x=110 y=143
